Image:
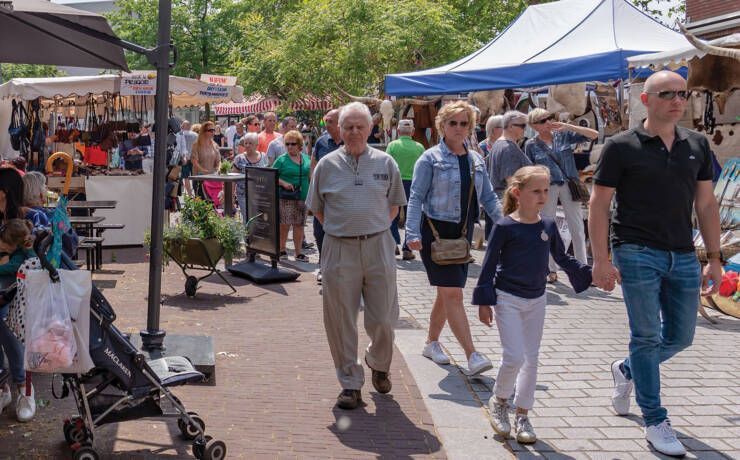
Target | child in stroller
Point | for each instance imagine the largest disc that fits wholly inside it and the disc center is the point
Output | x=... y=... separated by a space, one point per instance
x=123 y=385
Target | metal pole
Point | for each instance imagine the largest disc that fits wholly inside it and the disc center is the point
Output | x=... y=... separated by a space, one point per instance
x=153 y=337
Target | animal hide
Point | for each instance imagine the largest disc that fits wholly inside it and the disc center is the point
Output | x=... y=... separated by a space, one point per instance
x=489 y=102
x=714 y=73
x=570 y=98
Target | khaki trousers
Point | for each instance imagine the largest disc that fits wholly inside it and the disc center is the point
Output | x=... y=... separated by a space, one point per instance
x=351 y=269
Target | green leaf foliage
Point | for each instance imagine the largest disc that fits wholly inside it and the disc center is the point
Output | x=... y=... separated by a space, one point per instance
x=29 y=71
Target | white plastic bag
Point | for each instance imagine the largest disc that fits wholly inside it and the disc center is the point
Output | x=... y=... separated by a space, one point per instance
x=51 y=345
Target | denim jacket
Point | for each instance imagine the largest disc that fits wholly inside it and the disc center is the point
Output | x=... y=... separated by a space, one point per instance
x=436 y=189
x=562 y=149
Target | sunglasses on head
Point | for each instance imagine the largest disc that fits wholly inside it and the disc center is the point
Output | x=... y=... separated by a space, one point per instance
x=669 y=95
x=454 y=123
x=291 y=143
x=519 y=125
x=544 y=120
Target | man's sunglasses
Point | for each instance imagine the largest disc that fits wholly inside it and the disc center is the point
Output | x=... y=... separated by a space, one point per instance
x=519 y=125
x=545 y=120
x=291 y=143
x=454 y=123
x=670 y=95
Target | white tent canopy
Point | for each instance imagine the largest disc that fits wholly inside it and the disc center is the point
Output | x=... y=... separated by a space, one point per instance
x=184 y=92
x=553 y=43
x=679 y=57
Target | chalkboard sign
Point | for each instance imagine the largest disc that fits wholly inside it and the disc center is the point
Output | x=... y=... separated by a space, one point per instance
x=261 y=185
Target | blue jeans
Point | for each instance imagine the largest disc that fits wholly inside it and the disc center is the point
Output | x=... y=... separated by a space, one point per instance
x=13 y=348
x=394 y=225
x=661 y=291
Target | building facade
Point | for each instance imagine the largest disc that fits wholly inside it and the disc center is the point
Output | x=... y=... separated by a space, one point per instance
x=713 y=18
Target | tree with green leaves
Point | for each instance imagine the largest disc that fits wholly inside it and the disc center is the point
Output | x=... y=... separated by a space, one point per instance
x=9 y=71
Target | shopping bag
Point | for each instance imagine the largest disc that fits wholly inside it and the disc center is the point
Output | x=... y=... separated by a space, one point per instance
x=57 y=322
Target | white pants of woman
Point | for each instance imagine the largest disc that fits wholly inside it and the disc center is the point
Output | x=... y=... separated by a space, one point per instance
x=520 y=322
x=573 y=217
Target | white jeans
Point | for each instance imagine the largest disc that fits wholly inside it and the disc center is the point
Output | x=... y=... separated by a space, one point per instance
x=572 y=215
x=520 y=322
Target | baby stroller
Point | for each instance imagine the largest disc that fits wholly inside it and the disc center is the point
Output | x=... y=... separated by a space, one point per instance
x=123 y=385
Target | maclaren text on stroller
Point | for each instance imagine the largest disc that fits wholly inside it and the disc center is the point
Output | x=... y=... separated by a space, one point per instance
x=123 y=385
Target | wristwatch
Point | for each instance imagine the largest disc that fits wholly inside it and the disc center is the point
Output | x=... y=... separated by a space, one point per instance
x=716 y=255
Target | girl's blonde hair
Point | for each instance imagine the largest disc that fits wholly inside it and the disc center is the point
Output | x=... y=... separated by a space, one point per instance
x=17 y=232
x=520 y=178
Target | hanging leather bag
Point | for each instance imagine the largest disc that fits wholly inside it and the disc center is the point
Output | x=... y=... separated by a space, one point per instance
x=453 y=250
x=578 y=190
x=16 y=126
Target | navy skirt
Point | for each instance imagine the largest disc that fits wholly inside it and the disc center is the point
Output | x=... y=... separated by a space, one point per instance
x=453 y=275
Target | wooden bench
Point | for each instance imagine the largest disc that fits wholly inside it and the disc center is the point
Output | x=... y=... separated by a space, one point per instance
x=89 y=253
x=98 y=229
x=96 y=245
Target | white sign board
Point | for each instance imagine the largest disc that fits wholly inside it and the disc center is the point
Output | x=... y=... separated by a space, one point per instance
x=139 y=84
x=219 y=80
x=214 y=92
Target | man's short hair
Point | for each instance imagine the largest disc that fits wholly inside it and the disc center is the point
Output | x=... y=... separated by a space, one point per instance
x=284 y=122
x=355 y=107
x=493 y=122
x=513 y=115
x=406 y=126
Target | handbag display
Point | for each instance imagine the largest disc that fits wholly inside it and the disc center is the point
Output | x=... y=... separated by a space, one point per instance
x=578 y=190
x=294 y=194
x=456 y=250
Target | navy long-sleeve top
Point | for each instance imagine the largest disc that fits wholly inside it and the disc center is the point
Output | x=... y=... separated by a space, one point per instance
x=517 y=261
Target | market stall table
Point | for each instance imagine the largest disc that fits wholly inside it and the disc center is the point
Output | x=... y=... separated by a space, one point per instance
x=228 y=180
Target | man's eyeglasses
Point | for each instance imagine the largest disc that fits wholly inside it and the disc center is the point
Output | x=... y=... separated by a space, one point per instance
x=519 y=125
x=670 y=95
x=454 y=123
x=291 y=143
x=545 y=120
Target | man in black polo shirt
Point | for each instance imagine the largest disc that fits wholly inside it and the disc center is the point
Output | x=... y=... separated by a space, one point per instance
x=658 y=171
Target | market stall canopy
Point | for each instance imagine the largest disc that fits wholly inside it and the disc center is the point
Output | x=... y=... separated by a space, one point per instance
x=184 y=92
x=679 y=57
x=258 y=103
x=567 y=41
x=41 y=32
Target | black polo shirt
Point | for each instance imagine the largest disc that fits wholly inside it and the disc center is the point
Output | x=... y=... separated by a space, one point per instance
x=655 y=188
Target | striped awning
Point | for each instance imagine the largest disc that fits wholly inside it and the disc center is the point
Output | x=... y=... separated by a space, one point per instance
x=257 y=104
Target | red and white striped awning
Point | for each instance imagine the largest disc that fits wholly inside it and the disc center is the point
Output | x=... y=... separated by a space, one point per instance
x=257 y=104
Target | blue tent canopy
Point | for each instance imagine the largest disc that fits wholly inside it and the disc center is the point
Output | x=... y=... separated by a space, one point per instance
x=567 y=41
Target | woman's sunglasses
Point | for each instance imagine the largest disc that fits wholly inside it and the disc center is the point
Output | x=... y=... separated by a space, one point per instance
x=454 y=123
x=210 y=130
x=544 y=120
x=291 y=143
x=670 y=95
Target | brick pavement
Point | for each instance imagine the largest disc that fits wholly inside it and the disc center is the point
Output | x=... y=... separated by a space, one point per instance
x=583 y=335
x=275 y=386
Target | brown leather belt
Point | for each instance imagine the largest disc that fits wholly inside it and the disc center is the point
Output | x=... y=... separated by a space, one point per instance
x=359 y=237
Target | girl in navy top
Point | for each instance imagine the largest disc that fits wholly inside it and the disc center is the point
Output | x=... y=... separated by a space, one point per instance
x=513 y=279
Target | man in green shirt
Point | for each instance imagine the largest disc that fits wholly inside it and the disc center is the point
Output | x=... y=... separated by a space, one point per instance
x=405 y=151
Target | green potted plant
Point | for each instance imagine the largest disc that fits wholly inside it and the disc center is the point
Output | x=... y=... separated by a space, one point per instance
x=224 y=168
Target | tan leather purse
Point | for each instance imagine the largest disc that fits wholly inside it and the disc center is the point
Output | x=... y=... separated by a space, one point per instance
x=457 y=250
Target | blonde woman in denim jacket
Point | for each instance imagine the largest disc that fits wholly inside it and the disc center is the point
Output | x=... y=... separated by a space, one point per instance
x=440 y=190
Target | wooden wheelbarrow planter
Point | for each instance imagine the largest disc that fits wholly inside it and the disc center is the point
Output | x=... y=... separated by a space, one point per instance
x=196 y=254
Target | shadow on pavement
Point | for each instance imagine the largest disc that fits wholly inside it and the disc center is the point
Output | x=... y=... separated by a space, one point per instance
x=388 y=432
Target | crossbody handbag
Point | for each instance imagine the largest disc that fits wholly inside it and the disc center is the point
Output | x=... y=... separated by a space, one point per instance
x=294 y=194
x=455 y=250
x=578 y=190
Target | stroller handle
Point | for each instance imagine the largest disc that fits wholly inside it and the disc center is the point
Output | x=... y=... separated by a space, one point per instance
x=40 y=246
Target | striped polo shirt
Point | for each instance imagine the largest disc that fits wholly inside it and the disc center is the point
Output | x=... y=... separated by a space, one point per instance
x=354 y=196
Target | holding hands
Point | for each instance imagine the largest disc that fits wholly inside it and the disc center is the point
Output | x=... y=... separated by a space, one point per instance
x=485 y=314
x=605 y=275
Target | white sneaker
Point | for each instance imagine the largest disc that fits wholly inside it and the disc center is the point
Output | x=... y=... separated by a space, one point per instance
x=433 y=351
x=622 y=389
x=499 y=416
x=524 y=431
x=478 y=363
x=25 y=408
x=664 y=440
x=6 y=397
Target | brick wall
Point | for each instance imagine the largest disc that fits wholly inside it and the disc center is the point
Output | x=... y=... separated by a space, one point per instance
x=696 y=10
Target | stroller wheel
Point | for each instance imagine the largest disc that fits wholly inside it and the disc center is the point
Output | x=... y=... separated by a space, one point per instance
x=215 y=450
x=86 y=453
x=74 y=434
x=191 y=285
x=188 y=430
x=199 y=446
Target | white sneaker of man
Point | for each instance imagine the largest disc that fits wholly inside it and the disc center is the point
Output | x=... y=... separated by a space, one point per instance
x=6 y=398
x=664 y=440
x=25 y=408
x=478 y=363
x=622 y=389
x=433 y=351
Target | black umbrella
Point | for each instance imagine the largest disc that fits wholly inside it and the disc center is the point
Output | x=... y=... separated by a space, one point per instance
x=41 y=32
